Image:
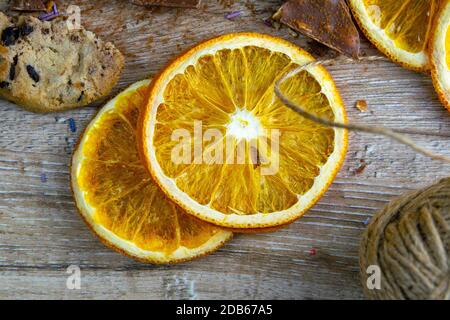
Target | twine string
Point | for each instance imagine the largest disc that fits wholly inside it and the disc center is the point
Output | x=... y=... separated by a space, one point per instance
x=408 y=239
x=376 y=130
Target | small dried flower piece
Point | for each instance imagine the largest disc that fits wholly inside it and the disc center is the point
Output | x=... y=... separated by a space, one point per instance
x=50 y=6
x=72 y=125
x=27 y=5
x=327 y=21
x=362 y=166
x=50 y=15
x=362 y=105
x=168 y=3
x=233 y=15
x=268 y=22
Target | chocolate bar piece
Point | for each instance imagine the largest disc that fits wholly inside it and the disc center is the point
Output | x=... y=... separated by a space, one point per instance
x=327 y=21
x=27 y=5
x=169 y=3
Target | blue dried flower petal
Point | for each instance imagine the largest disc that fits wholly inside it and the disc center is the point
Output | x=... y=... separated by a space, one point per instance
x=72 y=125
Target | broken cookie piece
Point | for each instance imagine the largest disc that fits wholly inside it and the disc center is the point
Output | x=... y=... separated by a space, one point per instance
x=45 y=67
x=327 y=21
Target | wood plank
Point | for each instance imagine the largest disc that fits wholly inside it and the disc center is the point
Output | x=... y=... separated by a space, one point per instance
x=41 y=233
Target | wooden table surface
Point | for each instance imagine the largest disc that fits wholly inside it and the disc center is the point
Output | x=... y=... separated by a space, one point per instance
x=41 y=233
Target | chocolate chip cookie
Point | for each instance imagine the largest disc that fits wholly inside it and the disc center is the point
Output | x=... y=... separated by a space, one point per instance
x=46 y=67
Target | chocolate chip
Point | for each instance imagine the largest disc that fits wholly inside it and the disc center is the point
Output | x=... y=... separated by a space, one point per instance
x=10 y=36
x=33 y=74
x=81 y=96
x=75 y=38
x=26 y=29
x=45 y=31
x=12 y=69
x=12 y=72
x=4 y=84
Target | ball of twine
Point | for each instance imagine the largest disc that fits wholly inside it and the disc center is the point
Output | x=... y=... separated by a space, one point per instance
x=409 y=240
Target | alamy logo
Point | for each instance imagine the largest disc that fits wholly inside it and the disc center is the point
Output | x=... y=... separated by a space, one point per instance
x=74 y=17
x=243 y=142
x=374 y=278
x=74 y=279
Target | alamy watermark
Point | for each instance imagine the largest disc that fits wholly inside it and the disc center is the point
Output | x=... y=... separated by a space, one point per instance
x=73 y=17
x=374 y=277
x=244 y=141
x=73 y=281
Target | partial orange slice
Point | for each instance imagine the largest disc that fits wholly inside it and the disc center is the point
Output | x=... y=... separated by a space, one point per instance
x=222 y=146
x=440 y=54
x=399 y=28
x=118 y=199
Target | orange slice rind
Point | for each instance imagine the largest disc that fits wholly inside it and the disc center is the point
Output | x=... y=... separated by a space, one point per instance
x=226 y=84
x=119 y=201
x=399 y=29
x=440 y=54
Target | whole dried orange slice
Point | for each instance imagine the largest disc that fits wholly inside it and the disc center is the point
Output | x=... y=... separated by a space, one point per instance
x=222 y=146
x=399 y=28
x=118 y=199
x=440 y=54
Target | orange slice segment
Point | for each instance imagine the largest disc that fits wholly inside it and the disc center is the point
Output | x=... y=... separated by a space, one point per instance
x=222 y=146
x=118 y=198
x=400 y=29
x=440 y=54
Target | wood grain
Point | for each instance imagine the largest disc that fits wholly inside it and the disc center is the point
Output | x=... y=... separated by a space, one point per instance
x=41 y=233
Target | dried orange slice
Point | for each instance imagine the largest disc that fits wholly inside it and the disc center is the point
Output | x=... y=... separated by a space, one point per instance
x=399 y=28
x=118 y=199
x=222 y=146
x=440 y=54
